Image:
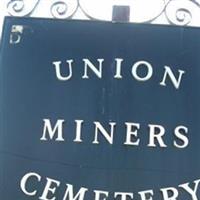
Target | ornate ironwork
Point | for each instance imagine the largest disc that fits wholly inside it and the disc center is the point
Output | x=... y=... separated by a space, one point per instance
x=17 y=7
x=175 y=12
x=64 y=9
x=183 y=12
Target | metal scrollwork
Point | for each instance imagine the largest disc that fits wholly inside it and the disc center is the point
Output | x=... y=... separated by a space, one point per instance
x=64 y=9
x=21 y=8
x=182 y=12
x=183 y=16
x=175 y=12
x=15 y=7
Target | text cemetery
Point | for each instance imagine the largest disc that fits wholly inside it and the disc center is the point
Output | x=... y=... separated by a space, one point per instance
x=51 y=186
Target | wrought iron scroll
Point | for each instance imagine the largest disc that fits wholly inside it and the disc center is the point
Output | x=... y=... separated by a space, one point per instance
x=174 y=12
x=19 y=7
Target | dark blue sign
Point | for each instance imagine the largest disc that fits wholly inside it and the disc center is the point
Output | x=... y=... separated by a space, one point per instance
x=99 y=111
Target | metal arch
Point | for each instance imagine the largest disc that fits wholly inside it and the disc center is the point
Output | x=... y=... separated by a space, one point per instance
x=59 y=9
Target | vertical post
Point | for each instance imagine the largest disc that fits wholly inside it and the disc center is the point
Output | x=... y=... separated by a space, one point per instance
x=121 y=13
